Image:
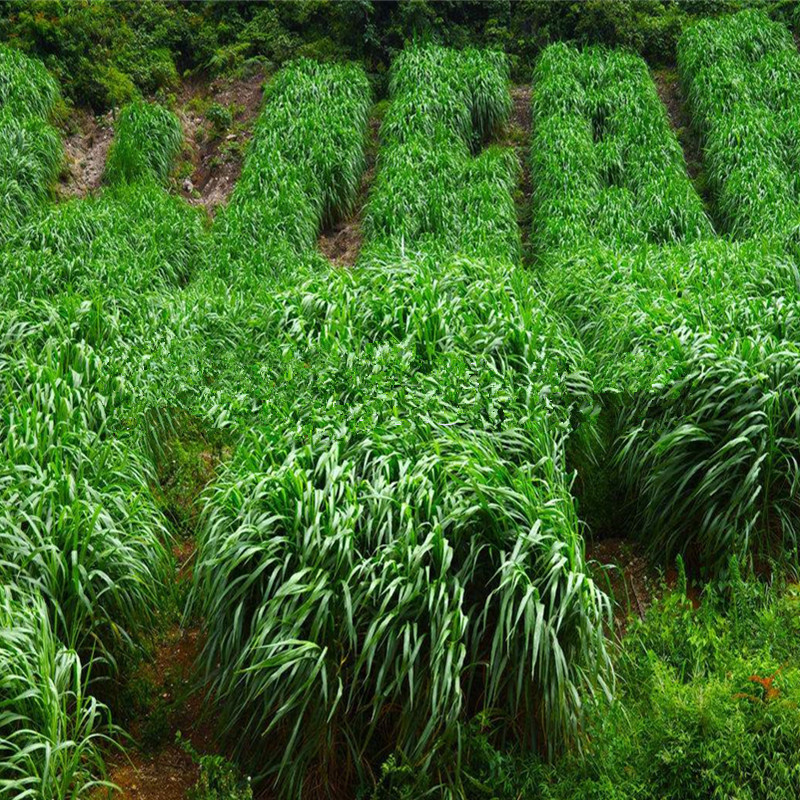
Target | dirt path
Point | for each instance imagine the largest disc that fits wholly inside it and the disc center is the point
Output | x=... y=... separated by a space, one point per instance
x=86 y=150
x=516 y=133
x=671 y=94
x=163 y=694
x=166 y=771
x=341 y=243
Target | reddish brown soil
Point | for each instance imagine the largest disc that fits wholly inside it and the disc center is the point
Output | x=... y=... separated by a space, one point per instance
x=217 y=160
x=177 y=702
x=86 y=151
x=625 y=574
x=168 y=772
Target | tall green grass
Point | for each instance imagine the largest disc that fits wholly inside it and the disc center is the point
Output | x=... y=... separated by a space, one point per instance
x=30 y=149
x=51 y=729
x=146 y=140
x=607 y=167
x=429 y=190
x=26 y=88
x=692 y=344
x=301 y=172
x=85 y=288
x=741 y=75
x=393 y=547
x=82 y=303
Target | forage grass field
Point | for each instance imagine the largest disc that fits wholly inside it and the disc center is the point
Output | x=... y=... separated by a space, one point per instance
x=372 y=493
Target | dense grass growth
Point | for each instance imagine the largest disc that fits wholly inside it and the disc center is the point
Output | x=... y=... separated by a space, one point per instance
x=381 y=530
x=390 y=568
x=26 y=88
x=429 y=190
x=79 y=303
x=30 y=149
x=146 y=140
x=700 y=383
x=51 y=730
x=79 y=298
x=83 y=293
x=607 y=167
x=691 y=343
x=707 y=707
x=741 y=75
x=300 y=173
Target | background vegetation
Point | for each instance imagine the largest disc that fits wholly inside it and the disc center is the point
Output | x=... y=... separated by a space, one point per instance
x=106 y=52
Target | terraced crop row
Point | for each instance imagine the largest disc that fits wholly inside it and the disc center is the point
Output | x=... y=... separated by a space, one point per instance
x=742 y=78
x=606 y=167
x=402 y=505
x=692 y=343
x=30 y=149
x=303 y=168
x=83 y=551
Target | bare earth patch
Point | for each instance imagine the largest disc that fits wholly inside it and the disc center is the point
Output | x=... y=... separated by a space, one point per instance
x=86 y=152
x=217 y=159
x=621 y=569
x=671 y=94
x=168 y=772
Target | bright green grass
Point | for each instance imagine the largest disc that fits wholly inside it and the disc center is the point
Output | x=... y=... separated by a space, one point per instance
x=399 y=505
x=82 y=298
x=30 y=149
x=51 y=729
x=741 y=75
x=692 y=344
x=607 y=166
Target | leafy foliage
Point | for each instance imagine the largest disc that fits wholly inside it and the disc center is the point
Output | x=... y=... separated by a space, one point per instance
x=81 y=301
x=51 y=730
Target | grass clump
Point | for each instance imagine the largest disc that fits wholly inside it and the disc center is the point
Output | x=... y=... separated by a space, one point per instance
x=31 y=153
x=26 y=88
x=51 y=729
x=300 y=173
x=398 y=504
x=690 y=337
x=606 y=166
x=430 y=129
x=147 y=139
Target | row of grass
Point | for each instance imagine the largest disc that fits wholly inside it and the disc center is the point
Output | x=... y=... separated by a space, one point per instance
x=393 y=547
x=741 y=75
x=430 y=191
x=299 y=174
x=691 y=344
x=31 y=153
x=607 y=166
x=83 y=289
